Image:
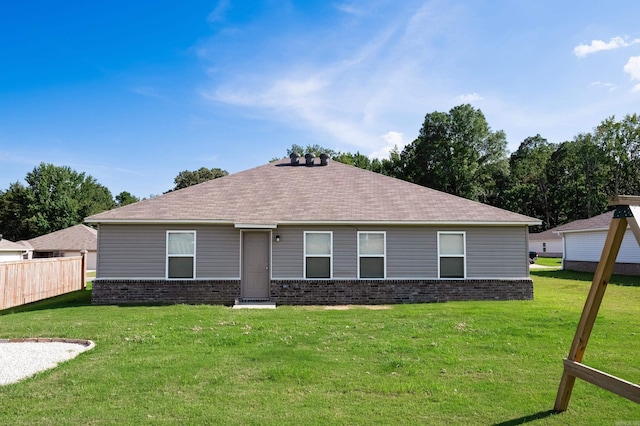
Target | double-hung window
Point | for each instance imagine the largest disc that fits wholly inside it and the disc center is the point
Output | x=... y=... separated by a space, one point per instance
x=181 y=254
x=371 y=254
x=318 y=254
x=451 y=254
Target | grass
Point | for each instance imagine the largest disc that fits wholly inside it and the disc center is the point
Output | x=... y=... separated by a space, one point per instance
x=450 y=363
x=549 y=261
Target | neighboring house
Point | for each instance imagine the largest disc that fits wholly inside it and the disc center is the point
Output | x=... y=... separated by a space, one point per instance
x=317 y=232
x=546 y=244
x=10 y=251
x=66 y=243
x=583 y=241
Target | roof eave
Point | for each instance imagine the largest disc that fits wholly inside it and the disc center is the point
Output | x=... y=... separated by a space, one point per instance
x=272 y=225
x=160 y=221
x=411 y=222
x=572 y=231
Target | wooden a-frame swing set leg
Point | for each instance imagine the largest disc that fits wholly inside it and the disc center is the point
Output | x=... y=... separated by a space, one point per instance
x=627 y=212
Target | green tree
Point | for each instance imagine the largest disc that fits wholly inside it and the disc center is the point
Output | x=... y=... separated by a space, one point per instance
x=456 y=152
x=529 y=188
x=312 y=149
x=620 y=142
x=124 y=198
x=54 y=198
x=358 y=160
x=577 y=175
x=13 y=209
x=188 y=178
x=394 y=165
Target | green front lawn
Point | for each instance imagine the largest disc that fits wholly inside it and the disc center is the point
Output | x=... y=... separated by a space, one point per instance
x=549 y=261
x=447 y=363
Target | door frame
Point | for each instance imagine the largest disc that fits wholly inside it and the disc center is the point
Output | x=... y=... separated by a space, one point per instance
x=269 y=233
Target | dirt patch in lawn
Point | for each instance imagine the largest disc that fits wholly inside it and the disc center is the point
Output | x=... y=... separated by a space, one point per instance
x=346 y=307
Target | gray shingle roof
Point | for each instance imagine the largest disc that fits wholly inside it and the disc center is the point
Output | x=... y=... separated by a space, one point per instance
x=74 y=238
x=599 y=222
x=6 y=245
x=548 y=235
x=279 y=192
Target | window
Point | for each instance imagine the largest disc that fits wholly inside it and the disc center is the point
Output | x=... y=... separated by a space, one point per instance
x=371 y=254
x=181 y=254
x=544 y=247
x=318 y=251
x=451 y=254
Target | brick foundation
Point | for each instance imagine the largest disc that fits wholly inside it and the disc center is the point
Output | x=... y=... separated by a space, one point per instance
x=371 y=292
x=310 y=292
x=619 y=268
x=142 y=292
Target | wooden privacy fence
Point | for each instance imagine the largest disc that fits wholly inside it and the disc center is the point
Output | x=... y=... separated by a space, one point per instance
x=28 y=281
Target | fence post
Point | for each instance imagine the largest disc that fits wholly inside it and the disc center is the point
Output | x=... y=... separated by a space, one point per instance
x=83 y=274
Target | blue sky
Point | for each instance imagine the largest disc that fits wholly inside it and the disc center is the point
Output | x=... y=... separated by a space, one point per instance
x=132 y=93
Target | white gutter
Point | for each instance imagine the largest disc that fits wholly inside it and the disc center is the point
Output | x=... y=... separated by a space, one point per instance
x=573 y=231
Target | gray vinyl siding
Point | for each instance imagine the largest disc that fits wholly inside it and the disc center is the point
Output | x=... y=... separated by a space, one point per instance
x=139 y=251
x=345 y=252
x=412 y=252
x=218 y=252
x=288 y=253
x=126 y=251
x=497 y=252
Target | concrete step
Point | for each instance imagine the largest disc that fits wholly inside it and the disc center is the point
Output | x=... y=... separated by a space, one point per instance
x=254 y=305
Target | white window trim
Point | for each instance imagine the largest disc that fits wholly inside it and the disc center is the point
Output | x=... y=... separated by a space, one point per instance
x=384 y=253
x=463 y=255
x=166 y=273
x=304 y=257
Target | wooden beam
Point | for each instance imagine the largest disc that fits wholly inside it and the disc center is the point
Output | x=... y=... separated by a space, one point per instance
x=601 y=278
x=624 y=200
x=601 y=379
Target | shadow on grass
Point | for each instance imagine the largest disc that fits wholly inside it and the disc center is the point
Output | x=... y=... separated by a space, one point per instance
x=68 y=300
x=623 y=280
x=526 y=419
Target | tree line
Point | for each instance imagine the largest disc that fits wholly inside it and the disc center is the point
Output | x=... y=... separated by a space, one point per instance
x=455 y=152
x=56 y=197
x=458 y=153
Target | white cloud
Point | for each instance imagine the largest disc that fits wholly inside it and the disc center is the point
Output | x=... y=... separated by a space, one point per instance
x=610 y=86
x=390 y=140
x=636 y=88
x=148 y=91
x=349 y=93
x=348 y=8
x=633 y=67
x=219 y=11
x=470 y=97
x=583 y=50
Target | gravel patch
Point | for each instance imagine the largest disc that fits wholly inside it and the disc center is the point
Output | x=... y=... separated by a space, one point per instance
x=22 y=358
x=536 y=266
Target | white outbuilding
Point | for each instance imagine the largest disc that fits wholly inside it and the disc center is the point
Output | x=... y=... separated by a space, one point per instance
x=584 y=239
x=10 y=251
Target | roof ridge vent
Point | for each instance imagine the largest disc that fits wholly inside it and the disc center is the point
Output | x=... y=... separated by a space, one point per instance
x=309 y=158
x=295 y=158
x=324 y=158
